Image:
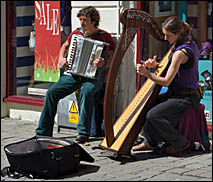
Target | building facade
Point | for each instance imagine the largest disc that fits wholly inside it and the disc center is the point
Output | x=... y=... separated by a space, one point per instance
x=18 y=87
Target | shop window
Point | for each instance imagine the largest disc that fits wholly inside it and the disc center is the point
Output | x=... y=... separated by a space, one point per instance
x=21 y=52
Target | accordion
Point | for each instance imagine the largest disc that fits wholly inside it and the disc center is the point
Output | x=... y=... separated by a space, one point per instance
x=81 y=55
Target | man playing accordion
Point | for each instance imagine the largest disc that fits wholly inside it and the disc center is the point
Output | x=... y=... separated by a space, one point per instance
x=89 y=20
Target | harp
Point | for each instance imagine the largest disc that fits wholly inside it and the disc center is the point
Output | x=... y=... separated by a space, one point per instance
x=121 y=134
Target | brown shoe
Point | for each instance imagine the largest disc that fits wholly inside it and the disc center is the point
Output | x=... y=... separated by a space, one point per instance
x=141 y=146
x=139 y=140
x=174 y=151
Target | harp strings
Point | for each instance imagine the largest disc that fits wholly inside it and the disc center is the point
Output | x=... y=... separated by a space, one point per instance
x=131 y=27
x=130 y=32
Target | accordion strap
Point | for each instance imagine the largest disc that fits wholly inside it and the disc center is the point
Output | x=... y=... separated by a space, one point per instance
x=131 y=19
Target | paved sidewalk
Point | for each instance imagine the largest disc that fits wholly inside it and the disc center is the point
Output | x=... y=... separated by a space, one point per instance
x=196 y=166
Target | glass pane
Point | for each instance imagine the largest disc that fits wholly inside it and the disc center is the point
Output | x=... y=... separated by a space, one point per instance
x=24 y=44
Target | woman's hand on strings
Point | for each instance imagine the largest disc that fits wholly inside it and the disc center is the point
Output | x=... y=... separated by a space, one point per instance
x=141 y=69
x=151 y=63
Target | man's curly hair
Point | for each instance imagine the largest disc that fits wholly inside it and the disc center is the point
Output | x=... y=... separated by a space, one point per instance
x=91 y=12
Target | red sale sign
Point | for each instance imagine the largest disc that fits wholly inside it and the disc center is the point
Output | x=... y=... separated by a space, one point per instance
x=48 y=40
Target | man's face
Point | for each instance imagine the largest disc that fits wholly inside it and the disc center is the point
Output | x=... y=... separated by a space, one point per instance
x=86 y=23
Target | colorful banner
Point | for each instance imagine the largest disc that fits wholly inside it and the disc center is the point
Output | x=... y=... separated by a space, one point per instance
x=48 y=40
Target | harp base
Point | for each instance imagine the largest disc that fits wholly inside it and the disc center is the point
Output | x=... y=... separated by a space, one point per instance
x=113 y=153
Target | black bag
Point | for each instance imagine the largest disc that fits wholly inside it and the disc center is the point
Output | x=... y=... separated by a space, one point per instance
x=44 y=157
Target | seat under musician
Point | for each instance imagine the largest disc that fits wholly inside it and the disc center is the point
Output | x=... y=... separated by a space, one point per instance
x=194 y=127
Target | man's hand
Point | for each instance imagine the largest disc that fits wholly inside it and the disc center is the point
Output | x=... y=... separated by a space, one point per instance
x=99 y=62
x=62 y=63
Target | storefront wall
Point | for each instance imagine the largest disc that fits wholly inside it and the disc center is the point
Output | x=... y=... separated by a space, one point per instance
x=126 y=81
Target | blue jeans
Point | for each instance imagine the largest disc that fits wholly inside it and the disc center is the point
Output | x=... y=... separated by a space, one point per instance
x=97 y=126
x=65 y=86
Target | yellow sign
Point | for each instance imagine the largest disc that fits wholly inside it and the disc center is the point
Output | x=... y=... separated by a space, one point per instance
x=73 y=113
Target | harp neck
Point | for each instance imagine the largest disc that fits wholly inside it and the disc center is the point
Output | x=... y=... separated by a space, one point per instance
x=137 y=18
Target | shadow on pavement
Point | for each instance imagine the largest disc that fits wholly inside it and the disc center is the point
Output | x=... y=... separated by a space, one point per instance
x=83 y=169
x=146 y=155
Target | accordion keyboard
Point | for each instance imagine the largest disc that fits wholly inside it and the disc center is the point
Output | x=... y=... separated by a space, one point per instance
x=71 y=52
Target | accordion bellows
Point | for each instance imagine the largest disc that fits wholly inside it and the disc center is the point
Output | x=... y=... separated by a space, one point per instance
x=81 y=55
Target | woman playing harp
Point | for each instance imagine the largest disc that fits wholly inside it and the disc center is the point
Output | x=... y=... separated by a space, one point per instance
x=181 y=79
